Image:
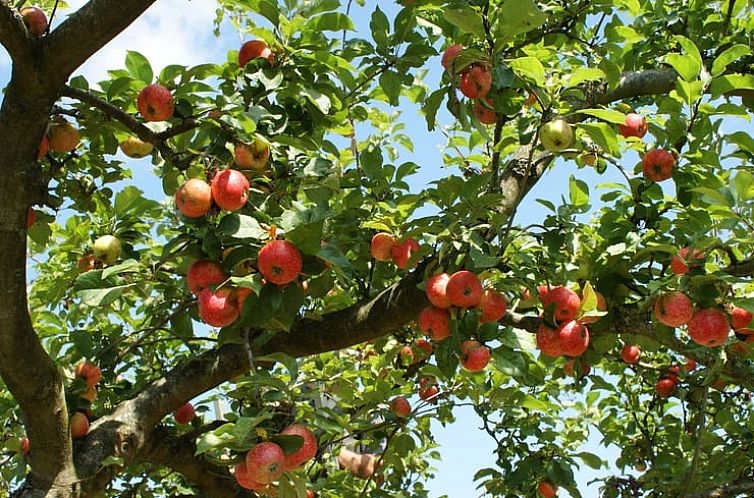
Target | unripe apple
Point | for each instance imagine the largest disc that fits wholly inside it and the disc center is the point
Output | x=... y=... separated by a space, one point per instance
x=63 y=137
x=403 y=251
x=630 y=353
x=107 y=249
x=448 y=57
x=265 y=462
x=79 y=425
x=203 y=273
x=184 y=414
x=219 y=308
x=674 y=309
x=230 y=190
x=709 y=327
x=657 y=165
x=136 y=148
x=35 y=19
x=252 y=156
x=400 y=407
x=382 y=246
x=640 y=466
x=633 y=126
x=435 y=322
x=306 y=452
x=279 y=262
x=155 y=103
x=475 y=82
x=556 y=135
x=437 y=290
x=194 y=198
x=464 y=289
x=255 y=49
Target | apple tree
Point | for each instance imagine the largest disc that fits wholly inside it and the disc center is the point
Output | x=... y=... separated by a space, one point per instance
x=280 y=307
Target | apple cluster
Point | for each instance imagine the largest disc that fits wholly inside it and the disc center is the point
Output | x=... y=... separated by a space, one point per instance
x=266 y=461
x=385 y=247
x=91 y=375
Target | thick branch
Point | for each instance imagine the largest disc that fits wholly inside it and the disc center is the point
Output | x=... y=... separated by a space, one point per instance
x=13 y=32
x=727 y=491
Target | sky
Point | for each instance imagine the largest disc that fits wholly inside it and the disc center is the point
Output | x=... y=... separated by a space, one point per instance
x=181 y=32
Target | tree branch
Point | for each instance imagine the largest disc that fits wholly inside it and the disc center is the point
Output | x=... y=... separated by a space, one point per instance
x=13 y=33
x=727 y=491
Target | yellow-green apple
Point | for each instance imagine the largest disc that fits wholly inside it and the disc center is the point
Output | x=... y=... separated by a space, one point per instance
x=107 y=249
x=556 y=135
x=63 y=136
x=136 y=148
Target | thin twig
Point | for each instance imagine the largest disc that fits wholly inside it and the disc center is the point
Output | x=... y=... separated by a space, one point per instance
x=700 y=427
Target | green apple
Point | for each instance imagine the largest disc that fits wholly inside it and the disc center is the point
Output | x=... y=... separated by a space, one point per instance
x=107 y=249
x=556 y=135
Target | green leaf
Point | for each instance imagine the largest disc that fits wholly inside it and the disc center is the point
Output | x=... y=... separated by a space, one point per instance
x=380 y=27
x=466 y=19
x=431 y=106
x=391 y=84
x=603 y=135
x=731 y=82
x=744 y=183
x=533 y=403
x=578 y=192
x=606 y=115
x=330 y=21
x=729 y=55
x=320 y=100
x=516 y=17
x=242 y=227
x=586 y=74
x=685 y=66
x=529 y=68
x=291 y=364
x=138 y=67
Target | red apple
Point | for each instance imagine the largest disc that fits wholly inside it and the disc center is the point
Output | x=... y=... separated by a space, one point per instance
x=243 y=479
x=665 y=387
x=547 y=490
x=464 y=289
x=90 y=372
x=634 y=126
x=493 y=305
x=570 y=368
x=436 y=290
x=475 y=82
x=35 y=19
x=306 y=452
x=564 y=303
x=279 y=262
x=740 y=317
x=44 y=146
x=548 y=341
x=382 y=246
x=709 y=327
x=690 y=365
x=400 y=406
x=25 y=446
x=86 y=263
x=255 y=49
x=403 y=251
x=679 y=264
x=155 y=103
x=79 y=425
x=63 y=137
x=448 y=57
x=194 y=198
x=630 y=353
x=265 y=462
x=573 y=338
x=184 y=414
x=657 y=165
x=474 y=356
x=673 y=309
x=203 y=273
x=435 y=322
x=31 y=217
x=485 y=113
x=219 y=308
x=230 y=189
x=252 y=156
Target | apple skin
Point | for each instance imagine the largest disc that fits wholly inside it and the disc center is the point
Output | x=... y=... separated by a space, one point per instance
x=155 y=103
x=230 y=189
x=665 y=387
x=90 y=372
x=740 y=318
x=265 y=462
x=306 y=452
x=403 y=251
x=243 y=480
x=255 y=49
x=437 y=290
x=25 y=447
x=464 y=289
x=709 y=327
x=679 y=264
x=547 y=490
x=566 y=303
x=252 y=156
x=381 y=246
x=79 y=424
x=556 y=135
x=474 y=356
x=400 y=406
x=31 y=217
x=485 y=114
x=184 y=414
x=630 y=353
x=674 y=309
x=279 y=262
x=548 y=341
x=35 y=20
x=44 y=147
x=63 y=137
x=203 y=273
x=194 y=198
x=493 y=305
x=107 y=249
x=435 y=323
x=135 y=148
x=573 y=338
x=633 y=126
x=657 y=165
x=475 y=82
x=449 y=56
x=219 y=308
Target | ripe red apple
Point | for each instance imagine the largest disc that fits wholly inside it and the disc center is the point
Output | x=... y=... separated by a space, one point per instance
x=184 y=414
x=79 y=425
x=194 y=198
x=155 y=103
x=657 y=165
x=428 y=393
x=31 y=217
x=403 y=251
x=633 y=126
x=709 y=327
x=547 y=490
x=630 y=353
x=255 y=49
x=219 y=308
x=556 y=135
x=493 y=305
x=90 y=372
x=44 y=146
x=230 y=189
x=242 y=478
x=665 y=387
x=673 y=309
x=548 y=341
x=25 y=447
x=309 y=493
x=474 y=356
x=63 y=137
x=204 y=273
x=690 y=365
x=531 y=99
x=449 y=56
x=306 y=452
x=740 y=317
x=435 y=322
x=241 y=294
x=485 y=114
x=424 y=350
x=573 y=338
x=436 y=290
x=279 y=262
x=464 y=289
x=107 y=249
x=382 y=246
x=35 y=19
x=265 y=462
x=564 y=302
x=85 y=263
x=400 y=407
x=475 y=82
x=679 y=264
x=136 y=148
x=252 y=156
